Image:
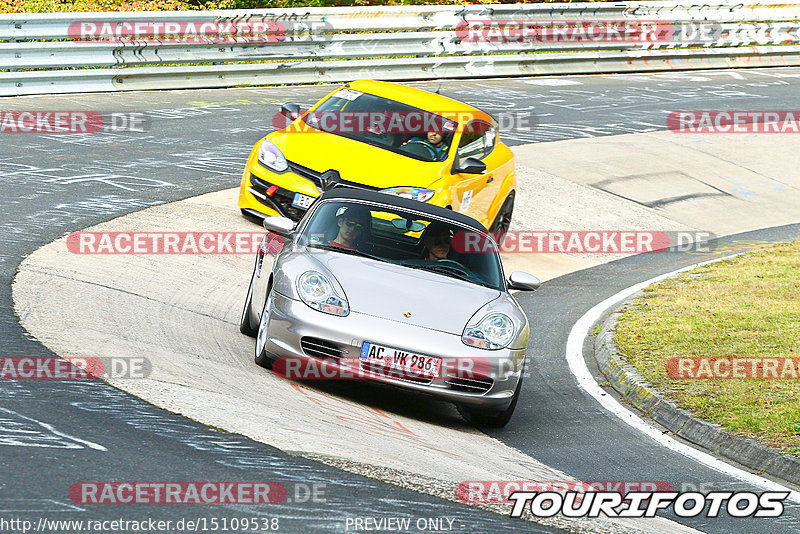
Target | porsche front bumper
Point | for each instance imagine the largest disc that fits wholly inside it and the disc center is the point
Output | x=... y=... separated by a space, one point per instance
x=298 y=332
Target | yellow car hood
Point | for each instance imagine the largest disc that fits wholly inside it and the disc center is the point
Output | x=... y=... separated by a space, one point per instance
x=355 y=161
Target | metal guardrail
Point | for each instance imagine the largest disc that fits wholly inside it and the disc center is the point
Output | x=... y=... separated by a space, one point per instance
x=80 y=52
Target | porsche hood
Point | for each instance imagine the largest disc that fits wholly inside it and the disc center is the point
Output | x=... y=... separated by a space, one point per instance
x=405 y=295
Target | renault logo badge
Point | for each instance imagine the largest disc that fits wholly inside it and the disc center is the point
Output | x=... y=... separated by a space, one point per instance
x=329 y=179
x=406 y=314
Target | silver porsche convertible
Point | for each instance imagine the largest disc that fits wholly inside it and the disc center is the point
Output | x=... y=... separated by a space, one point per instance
x=378 y=287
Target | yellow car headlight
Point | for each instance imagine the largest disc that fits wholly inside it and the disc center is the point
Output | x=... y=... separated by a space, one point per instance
x=270 y=156
x=414 y=193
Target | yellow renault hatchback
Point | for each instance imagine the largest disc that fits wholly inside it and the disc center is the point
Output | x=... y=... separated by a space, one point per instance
x=384 y=137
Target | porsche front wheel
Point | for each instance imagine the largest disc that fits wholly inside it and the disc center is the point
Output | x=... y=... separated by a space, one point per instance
x=245 y=324
x=263 y=357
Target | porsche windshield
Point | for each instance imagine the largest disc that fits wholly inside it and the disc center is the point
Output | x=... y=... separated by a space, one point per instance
x=405 y=238
x=385 y=124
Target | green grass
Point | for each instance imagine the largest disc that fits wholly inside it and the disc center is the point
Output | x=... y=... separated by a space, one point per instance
x=748 y=306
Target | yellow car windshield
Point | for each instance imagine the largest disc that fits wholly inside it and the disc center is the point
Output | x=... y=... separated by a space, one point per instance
x=385 y=123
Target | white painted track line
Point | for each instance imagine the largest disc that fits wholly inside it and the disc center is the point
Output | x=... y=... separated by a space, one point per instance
x=586 y=381
x=50 y=428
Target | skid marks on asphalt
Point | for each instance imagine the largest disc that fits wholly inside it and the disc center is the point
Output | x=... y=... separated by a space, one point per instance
x=368 y=418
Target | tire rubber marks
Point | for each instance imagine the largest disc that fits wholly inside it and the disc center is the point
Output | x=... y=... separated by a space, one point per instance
x=369 y=418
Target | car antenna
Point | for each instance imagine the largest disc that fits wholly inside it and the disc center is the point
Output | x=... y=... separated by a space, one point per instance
x=437 y=89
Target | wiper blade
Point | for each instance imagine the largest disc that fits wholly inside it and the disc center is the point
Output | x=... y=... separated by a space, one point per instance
x=441 y=269
x=343 y=250
x=449 y=271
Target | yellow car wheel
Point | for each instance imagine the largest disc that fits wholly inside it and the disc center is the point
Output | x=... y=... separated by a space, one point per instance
x=502 y=222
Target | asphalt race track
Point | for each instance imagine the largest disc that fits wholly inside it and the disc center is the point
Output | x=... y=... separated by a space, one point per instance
x=52 y=433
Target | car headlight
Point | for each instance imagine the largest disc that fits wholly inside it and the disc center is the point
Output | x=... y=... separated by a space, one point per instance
x=493 y=332
x=318 y=293
x=414 y=193
x=270 y=156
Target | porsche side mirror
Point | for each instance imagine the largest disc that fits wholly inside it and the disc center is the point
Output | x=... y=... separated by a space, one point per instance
x=470 y=166
x=523 y=281
x=280 y=225
x=291 y=111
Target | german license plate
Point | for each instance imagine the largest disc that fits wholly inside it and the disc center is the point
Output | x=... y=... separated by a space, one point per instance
x=401 y=360
x=302 y=201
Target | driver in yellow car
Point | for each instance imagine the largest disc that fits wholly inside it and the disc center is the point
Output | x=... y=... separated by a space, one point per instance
x=435 y=140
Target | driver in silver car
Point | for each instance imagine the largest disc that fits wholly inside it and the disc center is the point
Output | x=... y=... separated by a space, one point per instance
x=352 y=225
x=437 y=239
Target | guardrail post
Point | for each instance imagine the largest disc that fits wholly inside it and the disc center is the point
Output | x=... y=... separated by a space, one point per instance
x=16 y=54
